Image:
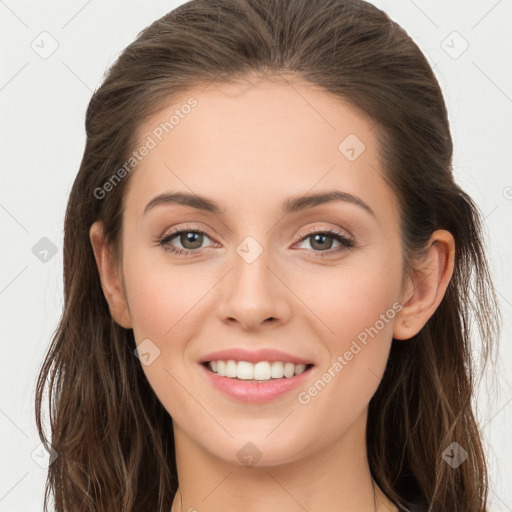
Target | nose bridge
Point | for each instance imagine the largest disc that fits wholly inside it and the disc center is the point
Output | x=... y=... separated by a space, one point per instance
x=252 y=292
x=252 y=276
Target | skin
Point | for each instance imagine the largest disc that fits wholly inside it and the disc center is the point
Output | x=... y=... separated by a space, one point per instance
x=250 y=146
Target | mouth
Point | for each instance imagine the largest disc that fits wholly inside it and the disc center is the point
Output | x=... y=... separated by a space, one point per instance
x=256 y=382
x=255 y=375
x=256 y=372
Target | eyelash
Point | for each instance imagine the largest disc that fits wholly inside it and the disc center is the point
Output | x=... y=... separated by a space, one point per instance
x=346 y=243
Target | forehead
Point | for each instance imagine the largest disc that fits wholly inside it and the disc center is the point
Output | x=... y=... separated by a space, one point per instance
x=273 y=137
x=284 y=111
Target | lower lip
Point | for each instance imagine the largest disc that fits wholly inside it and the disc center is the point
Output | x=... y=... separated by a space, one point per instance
x=256 y=392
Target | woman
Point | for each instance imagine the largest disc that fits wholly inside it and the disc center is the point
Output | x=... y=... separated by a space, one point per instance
x=270 y=275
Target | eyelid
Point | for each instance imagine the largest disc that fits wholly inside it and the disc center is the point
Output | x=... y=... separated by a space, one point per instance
x=346 y=240
x=300 y=236
x=180 y=229
x=327 y=230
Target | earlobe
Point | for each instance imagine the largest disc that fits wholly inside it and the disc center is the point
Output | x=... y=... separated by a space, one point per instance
x=427 y=286
x=110 y=277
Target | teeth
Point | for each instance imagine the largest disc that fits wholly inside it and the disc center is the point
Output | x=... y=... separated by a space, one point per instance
x=231 y=369
x=244 y=370
x=263 y=370
x=277 y=370
x=289 y=370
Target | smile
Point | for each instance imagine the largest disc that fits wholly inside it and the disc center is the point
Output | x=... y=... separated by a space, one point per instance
x=255 y=382
x=259 y=371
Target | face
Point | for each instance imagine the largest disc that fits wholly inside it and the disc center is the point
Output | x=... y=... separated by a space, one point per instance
x=263 y=276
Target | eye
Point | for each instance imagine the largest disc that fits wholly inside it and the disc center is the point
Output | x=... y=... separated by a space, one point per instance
x=190 y=239
x=322 y=240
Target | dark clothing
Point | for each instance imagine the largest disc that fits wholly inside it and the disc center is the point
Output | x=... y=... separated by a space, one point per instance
x=417 y=507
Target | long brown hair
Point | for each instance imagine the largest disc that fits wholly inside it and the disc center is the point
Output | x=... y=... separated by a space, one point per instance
x=112 y=435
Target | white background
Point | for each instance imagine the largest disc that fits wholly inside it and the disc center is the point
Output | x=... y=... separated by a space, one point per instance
x=42 y=105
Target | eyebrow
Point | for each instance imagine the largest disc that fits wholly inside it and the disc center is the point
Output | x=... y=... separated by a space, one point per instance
x=292 y=205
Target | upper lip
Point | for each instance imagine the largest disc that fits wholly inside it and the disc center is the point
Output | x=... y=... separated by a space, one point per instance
x=253 y=356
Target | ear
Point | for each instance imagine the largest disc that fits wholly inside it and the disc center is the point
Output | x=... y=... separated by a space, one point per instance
x=110 y=276
x=426 y=288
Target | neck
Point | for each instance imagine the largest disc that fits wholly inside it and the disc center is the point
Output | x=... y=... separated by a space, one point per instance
x=337 y=478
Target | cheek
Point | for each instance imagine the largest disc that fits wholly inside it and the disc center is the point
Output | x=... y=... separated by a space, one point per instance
x=356 y=308
x=342 y=387
x=366 y=307
x=163 y=301
x=161 y=296
x=351 y=301
x=167 y=304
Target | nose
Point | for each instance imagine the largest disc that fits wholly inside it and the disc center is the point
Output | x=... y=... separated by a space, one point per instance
x=254 y=295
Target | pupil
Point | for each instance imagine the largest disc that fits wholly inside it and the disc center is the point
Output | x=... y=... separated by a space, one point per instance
x=194 y=238
x=320 y=239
